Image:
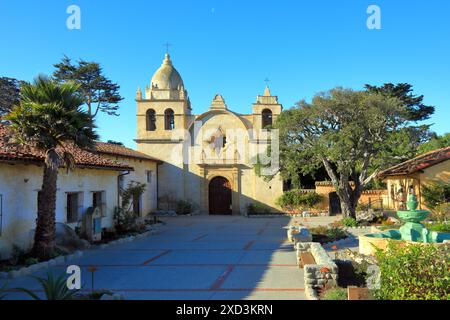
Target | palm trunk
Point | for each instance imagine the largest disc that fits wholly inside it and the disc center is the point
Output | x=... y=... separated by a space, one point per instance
x=44 y=238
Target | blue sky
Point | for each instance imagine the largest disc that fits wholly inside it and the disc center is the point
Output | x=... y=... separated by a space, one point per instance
x=230 y=47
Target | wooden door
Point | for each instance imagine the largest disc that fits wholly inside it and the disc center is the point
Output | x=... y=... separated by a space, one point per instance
x=334 y=204
x=220 y=196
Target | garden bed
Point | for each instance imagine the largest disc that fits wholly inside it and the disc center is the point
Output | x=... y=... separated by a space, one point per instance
x=327 y=234
x=112 y=235
x=22 y=259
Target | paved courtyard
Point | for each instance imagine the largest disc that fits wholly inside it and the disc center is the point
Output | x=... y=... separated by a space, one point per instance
x=206 y=257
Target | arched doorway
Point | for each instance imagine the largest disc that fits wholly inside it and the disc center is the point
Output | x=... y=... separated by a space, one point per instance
x=220 y=196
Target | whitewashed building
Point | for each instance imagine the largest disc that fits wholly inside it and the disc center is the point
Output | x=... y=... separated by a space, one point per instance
x=96 y=182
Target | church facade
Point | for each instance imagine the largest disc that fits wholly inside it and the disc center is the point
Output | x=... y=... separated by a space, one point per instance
x=208 y=159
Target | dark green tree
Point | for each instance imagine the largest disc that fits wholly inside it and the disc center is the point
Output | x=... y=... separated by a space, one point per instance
x=404 y=143
x=436 y=142
x=342 y=130
x=99 y=93
x=9 y=94
x=415 y=109
x=118 y=143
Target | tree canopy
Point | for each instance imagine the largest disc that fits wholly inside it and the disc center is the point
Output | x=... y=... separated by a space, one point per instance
x=415 y=109
x=436 y=142
x=343 y=131
x=100 y=94
x=9 y=94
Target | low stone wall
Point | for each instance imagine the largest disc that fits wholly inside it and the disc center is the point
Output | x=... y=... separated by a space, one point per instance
x=324 y=272
x=297 y=234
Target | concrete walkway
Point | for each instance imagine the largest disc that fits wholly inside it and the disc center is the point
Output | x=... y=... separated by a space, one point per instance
x=202 y=257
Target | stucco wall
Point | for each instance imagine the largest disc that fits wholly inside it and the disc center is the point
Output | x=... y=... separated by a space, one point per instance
x=149 y=198
x=440 y=171
x=19 y=185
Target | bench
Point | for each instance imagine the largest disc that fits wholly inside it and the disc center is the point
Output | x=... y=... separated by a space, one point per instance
x=355 y=293
x=306 y=258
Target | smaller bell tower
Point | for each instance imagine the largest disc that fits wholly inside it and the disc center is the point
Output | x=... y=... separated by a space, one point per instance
x=265 y=110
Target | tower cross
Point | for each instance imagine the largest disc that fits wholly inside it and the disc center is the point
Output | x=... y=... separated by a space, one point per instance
x=266 y=80
x=167 y=45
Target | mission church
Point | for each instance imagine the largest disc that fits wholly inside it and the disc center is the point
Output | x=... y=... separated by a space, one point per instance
x=206 y=159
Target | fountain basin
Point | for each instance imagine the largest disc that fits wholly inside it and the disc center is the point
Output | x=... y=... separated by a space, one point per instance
x=368 y=243
x=413 y=216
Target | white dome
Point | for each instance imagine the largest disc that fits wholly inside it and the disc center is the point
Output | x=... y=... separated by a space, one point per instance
x=167 y=77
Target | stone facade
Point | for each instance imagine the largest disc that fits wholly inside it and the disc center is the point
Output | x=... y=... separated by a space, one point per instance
x=195 y=149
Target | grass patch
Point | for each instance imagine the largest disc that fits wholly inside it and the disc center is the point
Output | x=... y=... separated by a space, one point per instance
x=334 y=294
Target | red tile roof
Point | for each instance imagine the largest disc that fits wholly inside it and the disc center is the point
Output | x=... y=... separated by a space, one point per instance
x=121 y=151
x=418 y=163
x=83 y=158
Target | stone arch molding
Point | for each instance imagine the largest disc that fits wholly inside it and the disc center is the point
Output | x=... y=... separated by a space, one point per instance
x=236 y=143
x=204 y=117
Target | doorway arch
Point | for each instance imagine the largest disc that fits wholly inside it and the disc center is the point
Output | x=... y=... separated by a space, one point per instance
x=220 y=196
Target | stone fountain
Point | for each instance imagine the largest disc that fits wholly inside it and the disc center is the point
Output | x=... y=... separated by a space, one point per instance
x=411 y=231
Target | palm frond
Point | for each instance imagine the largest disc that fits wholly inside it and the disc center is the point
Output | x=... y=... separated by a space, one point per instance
x=2 y=292
x=55 y=288
x=49 y=115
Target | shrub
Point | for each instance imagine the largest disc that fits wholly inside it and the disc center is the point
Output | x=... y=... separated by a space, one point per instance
x=439 y=227
x=30 y=261
x=335 y=294
x=441 y=212
x=125 y=221
x=256 y=208
x=18 y=255
x=349 y=222
x=414 y=272
x=167 y=202
x=336 y=233
x=436 y=193
x=295 y=199
x=325 y=234
x=183 y=207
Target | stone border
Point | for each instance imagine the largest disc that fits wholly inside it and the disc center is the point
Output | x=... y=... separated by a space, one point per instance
x=350 y=239
x=275 y=215
x=297 y=234
x=287 y=215
x=325 y=271
x=26 y=271
x=357 y=228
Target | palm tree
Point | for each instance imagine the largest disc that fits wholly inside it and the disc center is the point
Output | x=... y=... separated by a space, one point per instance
x=48 y=118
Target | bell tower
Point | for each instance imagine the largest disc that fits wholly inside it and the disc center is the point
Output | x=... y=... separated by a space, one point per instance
x=163 y=112
x=265 y=110
x=164 y=106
